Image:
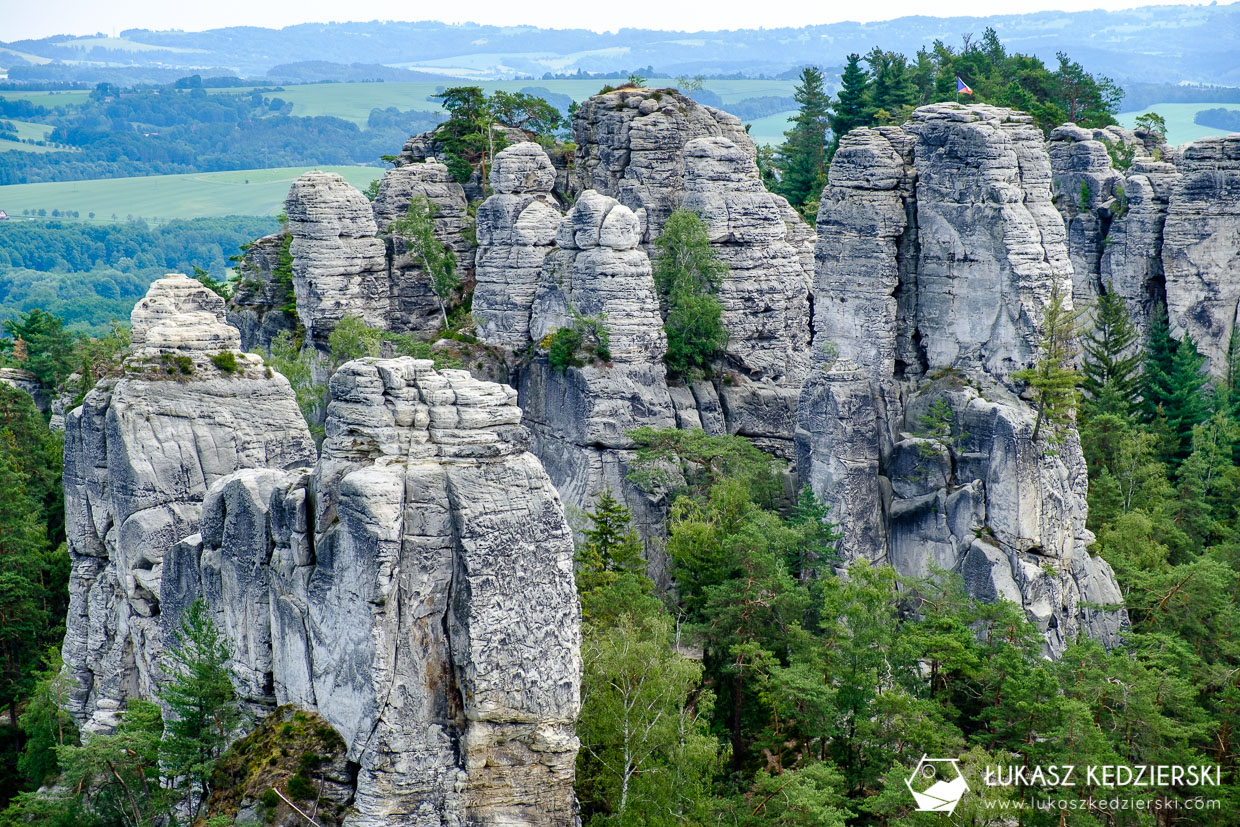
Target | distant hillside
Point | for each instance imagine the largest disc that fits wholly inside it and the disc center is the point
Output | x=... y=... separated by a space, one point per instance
x=1163 y=44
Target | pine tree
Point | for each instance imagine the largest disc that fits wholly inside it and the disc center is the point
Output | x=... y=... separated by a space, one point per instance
x=1175 y=386
x=202 y=701
x=894 y=88
x=852 y=105
x=1053 y=379
x=802 y=158
x=687 y=273
x=1110 y=369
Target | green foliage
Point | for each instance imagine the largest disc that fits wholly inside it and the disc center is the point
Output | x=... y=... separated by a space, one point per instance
x=45 y=723
x=1086 y=197
x=585 y=335
x=562 y=349
x=223 y=289
x=1121 y=154
x=687 y=273
x=1053 y=380
x=48 y=347
x=1174 y=386
x=202 y=703
x=435 y=258
x=692 y=462
x=1111 y=366
x=852 y=105
x=372 y=190
x=298 y=365
x=226 y=361
x=801 y=159
x=118 y=775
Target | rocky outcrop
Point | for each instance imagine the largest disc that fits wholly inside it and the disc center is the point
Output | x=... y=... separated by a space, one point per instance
x=765 y=291
x=425 y=146
x=140 y=454
x=258 y=305
x=339 y=266
x=412 y=304
x=580 y=417
x=656 y=151
x=24 y=380
x=516 y=230
x=939 y=248
x=413 y=585
x=631 y=146
x=1201 y=246
x=416 y=589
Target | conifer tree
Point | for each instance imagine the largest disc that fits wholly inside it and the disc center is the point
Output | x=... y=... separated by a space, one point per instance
x=1110 y=370
x=1053 y=379
x=802 y=158
x=1174 y=385
x=852 y=104
x=687 y=273
x=200 y=696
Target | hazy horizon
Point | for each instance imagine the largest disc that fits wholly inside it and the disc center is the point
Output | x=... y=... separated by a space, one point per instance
x=35 y=21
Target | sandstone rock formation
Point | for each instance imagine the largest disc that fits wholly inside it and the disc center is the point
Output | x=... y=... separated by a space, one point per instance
x=413 y=307
x=256 y=307
x=339 y=266
x=140 y=454
x=413 y=585
x=938 y=251
x=516 y=231
x=416 y=589
x=1201 y=246
x=1163 y=231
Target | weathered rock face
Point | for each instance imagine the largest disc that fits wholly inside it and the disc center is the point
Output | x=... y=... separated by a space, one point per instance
x=416 y=589
x=140 y=454
x=516 y=231
x=257 y=306
x=1201 y=246
x=24 y=380
x=656 y=151
x=425 y=147
x=631 y=146
x=765 y=292
x=580 y=417
x=339 y=266
x=938 y=251
x=414 y=585
x=413 y=307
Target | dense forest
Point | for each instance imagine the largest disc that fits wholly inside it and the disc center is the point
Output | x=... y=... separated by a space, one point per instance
x=1220 y=118
x=182 y=128
x=92 y=274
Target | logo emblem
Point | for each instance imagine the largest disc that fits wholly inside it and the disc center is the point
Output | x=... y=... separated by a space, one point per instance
x=937 y=785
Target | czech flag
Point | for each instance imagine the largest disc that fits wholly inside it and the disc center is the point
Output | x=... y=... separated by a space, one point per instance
x=962 y=88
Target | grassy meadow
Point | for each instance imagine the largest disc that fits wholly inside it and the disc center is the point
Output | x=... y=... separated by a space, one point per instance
x=164 y=197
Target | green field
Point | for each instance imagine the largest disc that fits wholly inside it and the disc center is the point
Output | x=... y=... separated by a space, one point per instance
x=32 y=131
x=770 y=130
x=165 y=197
x=71 y=97
x=1180 y=126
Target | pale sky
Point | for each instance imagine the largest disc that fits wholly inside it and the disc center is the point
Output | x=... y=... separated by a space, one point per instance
x=38 y=18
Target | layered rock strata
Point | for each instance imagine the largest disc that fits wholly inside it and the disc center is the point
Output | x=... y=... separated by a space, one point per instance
x=938 y=251
x=413 y=584
x=339 y=266
x=140 y=454
x=416 y=589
